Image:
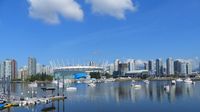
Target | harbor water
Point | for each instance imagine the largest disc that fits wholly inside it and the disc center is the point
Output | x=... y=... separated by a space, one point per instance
x=115 y=97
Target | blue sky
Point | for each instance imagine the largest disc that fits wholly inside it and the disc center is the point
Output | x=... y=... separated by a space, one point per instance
x=149 y=29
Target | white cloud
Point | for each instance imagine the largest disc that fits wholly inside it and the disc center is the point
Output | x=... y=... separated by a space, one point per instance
x=115 y=8
x=50 y=10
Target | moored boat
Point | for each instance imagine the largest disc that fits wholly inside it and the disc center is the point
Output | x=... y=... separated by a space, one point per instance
x=188 y=81
x=71 y=89
x=179 y=80
x=8 y=105
x=92 y=84
x=173 y=82
x=136 y=86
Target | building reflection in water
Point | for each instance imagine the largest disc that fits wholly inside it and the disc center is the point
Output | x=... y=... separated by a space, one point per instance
x=124 y=92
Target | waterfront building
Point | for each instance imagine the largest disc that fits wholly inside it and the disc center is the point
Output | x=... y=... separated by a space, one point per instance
x=183 y=66
x=123 y=69
x=159 y=67
x=137 y=73
x=170 y=66
x=38 y=68
x=111 y=69
x=116 y=65
x=32 y=66
x=23 y=73
x=177 y=67
x=150 y=65
x=10 y=69
x=146 y=66
x=14 y=74
x=189 y=68
x=131 y=64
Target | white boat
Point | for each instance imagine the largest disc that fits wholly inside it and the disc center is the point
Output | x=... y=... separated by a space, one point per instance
x=71 y=89
x=188 y=81
x=179 y=80
x=33 y=85
x=78 y=82
x=146 y=81
x=173 y=82
x=92 y=84
x=133 y=81
x=136 y=86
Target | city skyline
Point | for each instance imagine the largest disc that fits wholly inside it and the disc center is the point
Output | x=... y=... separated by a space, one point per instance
x=147 y=64
x=145 y=30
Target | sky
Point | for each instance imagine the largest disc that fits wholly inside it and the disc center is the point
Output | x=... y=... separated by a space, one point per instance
x=84 y=30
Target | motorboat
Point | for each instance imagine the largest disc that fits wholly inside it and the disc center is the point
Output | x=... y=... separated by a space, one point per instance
x=8 y=105
x=188 y=81
x=92 y=84
x=173 y=82
x=71 y=89
x=179 y=80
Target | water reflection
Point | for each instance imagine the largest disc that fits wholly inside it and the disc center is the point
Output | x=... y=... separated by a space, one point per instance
x=120 y=92
x=114 y=93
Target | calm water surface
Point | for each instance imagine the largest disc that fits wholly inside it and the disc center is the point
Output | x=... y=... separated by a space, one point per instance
x=120 y=97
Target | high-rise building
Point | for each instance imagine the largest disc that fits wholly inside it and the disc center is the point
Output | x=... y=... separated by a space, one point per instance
x=111 y=69
x=159 y=67
x=150 y=65
x=183 y=66
x=14 y=74
x=189 y=68
x=177 y=67
x=116 y=65
x=146 y=66
x=123 y=69
x=10 y=69
x=92 y=63
x=170 y=66
x=32 y=66
x=131 y=64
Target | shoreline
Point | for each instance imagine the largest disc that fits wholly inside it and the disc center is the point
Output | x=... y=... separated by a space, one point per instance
x=121 y=79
